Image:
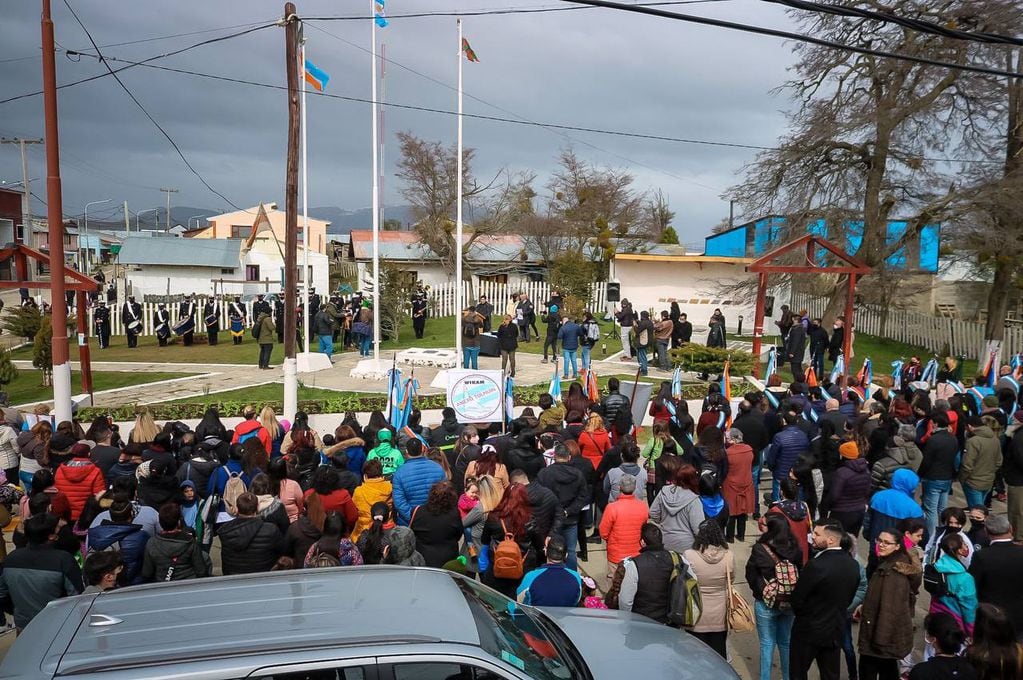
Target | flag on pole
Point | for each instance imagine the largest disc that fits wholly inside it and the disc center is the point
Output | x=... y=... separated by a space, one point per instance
x=866 y=374
x=930 y=374
x=395 y=393
x=509 y=399
x=771 y=399
x=839 y=370
x=316 y=77
x=772 y=362
x=726 y=390
x=811 y=377
x=1016 y=363
x=378 y=13
x=555 y=388
x=470 y=54
x=407 y=399
x=676 y=383
x=589 y=378
x=897 y=374
x=990 y=371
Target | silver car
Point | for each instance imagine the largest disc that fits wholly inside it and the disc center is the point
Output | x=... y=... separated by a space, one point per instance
x=348 y=623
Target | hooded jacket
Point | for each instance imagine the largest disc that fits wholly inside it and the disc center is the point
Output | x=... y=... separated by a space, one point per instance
x=554 y=416
x=961 y=601
x=78 y=479
x=130 y=539
x=248 y=545
x=34 y=576
x=300 y=537
x=411 y=485
x=526 y=458
x=712 y=566
x=198 y=470
x=786 y=447
x=446 y=434
x=569 y=485
x=613 y=480
x=173 y=556
x=390 y=458
x=355 y=450
x=904 y=454
x=886 y=621
x=850 y=487
x=889 y=506
x=370 y=492
x=680 y=513
x=799 y=522
x=272 y=510
x=981 y=459
x=246 y=426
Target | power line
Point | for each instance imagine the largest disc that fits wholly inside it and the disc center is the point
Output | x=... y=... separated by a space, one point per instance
x=512 y=113
x=159 y=127
x=496 y=12
x=144 y=61
x=498 y=119
x=798 y=37
x=919 y=25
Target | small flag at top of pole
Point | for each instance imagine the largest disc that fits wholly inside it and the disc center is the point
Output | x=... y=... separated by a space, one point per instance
x=470 y=54
x=897 y=374
x=866 y=374
x=588 y=378
x=316 y=77
x=378 y=13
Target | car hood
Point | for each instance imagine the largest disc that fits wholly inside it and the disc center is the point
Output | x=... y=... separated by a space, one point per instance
x=617 y=644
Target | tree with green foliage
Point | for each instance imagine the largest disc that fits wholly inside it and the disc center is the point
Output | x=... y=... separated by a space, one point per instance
x=572 y=274
x=8 y=371
x=42 y=354
x=22 y=322
x=669 y=236
x=395 y=292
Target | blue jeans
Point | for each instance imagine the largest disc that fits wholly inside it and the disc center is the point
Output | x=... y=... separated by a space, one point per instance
x=365 y=344
x=569 y=356
x=974 y=496
x=849 y=648
x=585 y=352
x=774 y=628
x=326 y=344
x=641 y=355
x=758 y=465
x=935 y=500
x=817 y=362
x=775 y=489
x=471 y=357
x=570 y=534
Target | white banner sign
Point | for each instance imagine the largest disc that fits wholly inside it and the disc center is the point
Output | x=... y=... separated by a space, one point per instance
x=476 y=396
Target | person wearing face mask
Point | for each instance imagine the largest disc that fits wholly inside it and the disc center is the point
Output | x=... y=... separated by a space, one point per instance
x=953 y=590
x=886 y=615
x=953 y=520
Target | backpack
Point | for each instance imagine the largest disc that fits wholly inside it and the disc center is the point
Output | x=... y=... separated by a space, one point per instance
x=323 y=560
x=643 y=338
x=592 y=331
x=709 y=482
x=508 y=560
x=248 y=435
x=234 y=488
x=935 y=582
x=255 y=330
x=685 y=604
x=469 y=330
x=778 y=590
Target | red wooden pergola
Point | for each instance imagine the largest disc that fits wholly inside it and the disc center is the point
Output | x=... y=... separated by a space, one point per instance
x=73 y=280
x=852 y=268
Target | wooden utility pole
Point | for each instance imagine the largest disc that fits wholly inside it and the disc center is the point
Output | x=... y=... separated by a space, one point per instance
x=168 y=192
x=55 y=224
x=291 y=38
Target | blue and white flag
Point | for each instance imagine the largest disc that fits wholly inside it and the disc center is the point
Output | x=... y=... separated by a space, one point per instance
x=839 y=369
x=378 y=13
x=930 y=373
x=771 y=399
x=509 y=399
x=395 y=393
x=408 y=397
x=772 y=362
x=555 y=388
x=676 y=383
x=897 y=375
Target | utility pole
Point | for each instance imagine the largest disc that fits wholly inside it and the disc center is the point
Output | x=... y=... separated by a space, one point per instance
x=55 y=224
x=26 y=201
x=127 y=220
x=291 y=39
x=168 y=192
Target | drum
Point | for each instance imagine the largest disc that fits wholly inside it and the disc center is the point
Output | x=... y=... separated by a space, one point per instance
x=237 y=328
x=184 y=325
x=211 y=320
x=135 y=327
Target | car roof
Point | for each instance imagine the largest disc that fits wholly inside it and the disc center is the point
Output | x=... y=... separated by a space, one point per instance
x=261 y=613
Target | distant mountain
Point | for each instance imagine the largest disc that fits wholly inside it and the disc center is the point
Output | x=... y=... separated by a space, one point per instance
x=343 y=221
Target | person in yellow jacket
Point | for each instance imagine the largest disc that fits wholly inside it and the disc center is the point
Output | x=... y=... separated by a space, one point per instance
x=374 y=489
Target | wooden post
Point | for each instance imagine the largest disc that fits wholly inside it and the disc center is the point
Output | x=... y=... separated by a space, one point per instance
x=849 y=300
x=291 y=39
x=758 y=322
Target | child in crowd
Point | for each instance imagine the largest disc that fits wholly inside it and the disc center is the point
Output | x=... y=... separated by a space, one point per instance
x=591 y=599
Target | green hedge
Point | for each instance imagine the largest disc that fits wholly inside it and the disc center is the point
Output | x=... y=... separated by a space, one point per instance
x=703 y=359
x=358 y=402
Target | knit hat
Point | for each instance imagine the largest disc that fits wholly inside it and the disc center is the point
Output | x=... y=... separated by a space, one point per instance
x=61 y=442
x=849 y=451
x=80 y=450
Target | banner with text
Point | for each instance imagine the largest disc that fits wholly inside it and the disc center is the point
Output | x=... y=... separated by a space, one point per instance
x=476 y=396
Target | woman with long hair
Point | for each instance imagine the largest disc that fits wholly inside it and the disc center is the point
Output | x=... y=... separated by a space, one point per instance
x=335 y=544
x=488 y=464
x=326 y=484
x=145 y=429
x=305 y=531
x=268 y=419
x=210 y=426
x=714 y=564
x=576 y=400
x=437 y=525
x=774 y=621
x=886 y=615
x=995 y=654
x=594 y=440
x=34 y=445
x=663 y=404
x=678 y=510
x=255 y=458
x=438 y=457
x=301 y=432
x=650 y=454
x=377 y=422
x=97 y=426
x=288 y=490
x=960 y=600
x=490 y=495
x=510 y=517
x=270 y=508
x=386 y=543
x=466 y=449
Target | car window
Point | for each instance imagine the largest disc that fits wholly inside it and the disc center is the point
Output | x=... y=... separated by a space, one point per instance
x=508 y=632
x=353 y=673
x=442 y=671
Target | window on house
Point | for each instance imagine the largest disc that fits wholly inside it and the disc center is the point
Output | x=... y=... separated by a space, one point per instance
x=495 y=278
x=240 y=231
x=252 y=272
x=227 y=271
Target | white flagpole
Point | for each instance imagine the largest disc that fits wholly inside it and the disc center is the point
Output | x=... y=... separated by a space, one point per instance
x=376 y=191
x=305 y=214
x=459 y=305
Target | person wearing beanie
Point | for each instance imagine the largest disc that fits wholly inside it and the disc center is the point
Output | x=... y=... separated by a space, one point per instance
x=846 y=500
x=79 y=478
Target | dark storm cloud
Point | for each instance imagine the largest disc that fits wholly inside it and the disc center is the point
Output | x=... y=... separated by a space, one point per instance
x=589 y=68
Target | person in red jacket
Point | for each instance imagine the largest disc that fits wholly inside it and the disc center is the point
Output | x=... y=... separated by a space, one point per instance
x=327 y=485
x=594 y=441
x=251 y=427
x=79 y=478
x=622 y=525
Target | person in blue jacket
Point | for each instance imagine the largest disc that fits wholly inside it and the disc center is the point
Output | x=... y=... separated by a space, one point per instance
x=889 y=506
x=569 y=335
x=121 y=533
x=961 y=599
x=412 y=482
x=554 y=584
x=785 y=449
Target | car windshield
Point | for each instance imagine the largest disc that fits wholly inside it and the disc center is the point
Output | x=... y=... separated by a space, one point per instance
x=509 y=632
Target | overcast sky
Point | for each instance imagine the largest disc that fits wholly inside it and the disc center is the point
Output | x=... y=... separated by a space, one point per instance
x=591 y=68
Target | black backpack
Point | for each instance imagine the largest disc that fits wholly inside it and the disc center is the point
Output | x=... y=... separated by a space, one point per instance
x=935 y=582
x=710 y=484
x=469 y=330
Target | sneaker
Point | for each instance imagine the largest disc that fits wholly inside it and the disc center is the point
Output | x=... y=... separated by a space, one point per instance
x=543 y=361
x=593 y=540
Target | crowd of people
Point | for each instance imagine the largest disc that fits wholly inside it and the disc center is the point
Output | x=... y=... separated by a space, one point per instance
x=520 y=507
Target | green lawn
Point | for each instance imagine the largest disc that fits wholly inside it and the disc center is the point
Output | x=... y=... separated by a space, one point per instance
x=258 y=394
x=26 y=388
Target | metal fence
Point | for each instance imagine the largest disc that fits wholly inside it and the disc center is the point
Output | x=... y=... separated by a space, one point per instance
x=443 y=300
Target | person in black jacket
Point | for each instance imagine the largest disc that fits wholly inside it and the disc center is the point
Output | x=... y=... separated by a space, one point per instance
x=1012 y=472
x=569 y=485
x=248 y=544
x=613 y=402
x=750 y=422
x=996 y=569
x=438 y=525
x=173 y=554
x=822 y=595
x=526 y=456
x=545 y=509
x=818 y=346
x=795 y=349
x=508 y=341
x=937 y=469
x=646 y=578
x=837 y=343
x=589 y=473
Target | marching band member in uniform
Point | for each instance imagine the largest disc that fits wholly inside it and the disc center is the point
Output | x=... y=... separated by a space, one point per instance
x=314 y=303
x=186 y=320
x=260 y=306
x=279 y=317
x=101 y=317
x=419 y=306
x=211 y=319
x=131 y=319
x=236 y=314
x=161 y=324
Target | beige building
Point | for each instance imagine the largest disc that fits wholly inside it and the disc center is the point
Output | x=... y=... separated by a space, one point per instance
x=238 y=224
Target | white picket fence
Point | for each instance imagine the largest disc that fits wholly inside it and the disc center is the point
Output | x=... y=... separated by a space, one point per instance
x=149 y=315
x=936 y=333
x=443 y=297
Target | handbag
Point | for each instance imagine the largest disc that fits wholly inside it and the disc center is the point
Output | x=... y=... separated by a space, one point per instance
x=740 y=614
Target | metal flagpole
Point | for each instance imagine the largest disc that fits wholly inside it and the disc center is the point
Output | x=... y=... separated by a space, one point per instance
x=459 y=305
x=376 y=190
x=305 y=212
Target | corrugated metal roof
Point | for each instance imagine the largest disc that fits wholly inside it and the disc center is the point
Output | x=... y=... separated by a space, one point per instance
x=407 y=246
x=183 y=252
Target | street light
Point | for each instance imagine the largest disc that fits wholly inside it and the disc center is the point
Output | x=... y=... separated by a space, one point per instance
x=139 y=214
x=105 y=200
x=197 y=218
